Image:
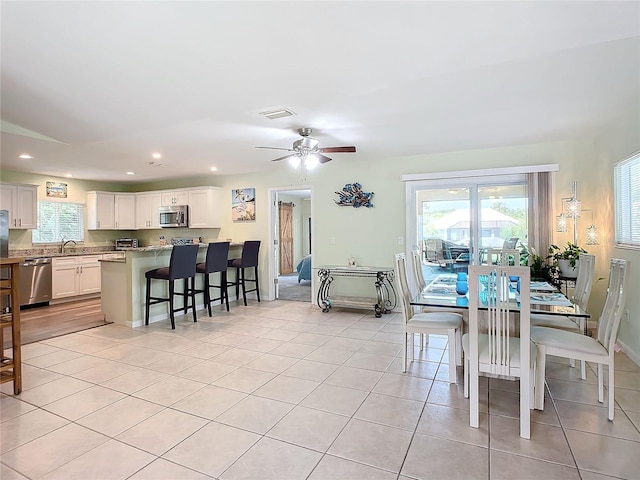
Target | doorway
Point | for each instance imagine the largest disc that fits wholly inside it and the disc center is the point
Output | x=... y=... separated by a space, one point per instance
x=290 y=218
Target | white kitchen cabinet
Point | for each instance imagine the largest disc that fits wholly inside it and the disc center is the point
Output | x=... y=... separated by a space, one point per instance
x=101 y=209
x=75 y=275
x=125 y=211
x=22 y=203
x=147 y=206
x=175 y=197
x=205 y=207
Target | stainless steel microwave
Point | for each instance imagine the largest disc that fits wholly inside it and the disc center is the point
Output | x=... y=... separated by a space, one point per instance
x=174 y=216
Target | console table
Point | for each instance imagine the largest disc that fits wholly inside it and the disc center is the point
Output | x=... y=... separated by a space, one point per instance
x=11 y=366
x=385 y=294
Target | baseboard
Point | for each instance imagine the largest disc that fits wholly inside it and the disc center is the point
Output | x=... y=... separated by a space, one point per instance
x=635 y=358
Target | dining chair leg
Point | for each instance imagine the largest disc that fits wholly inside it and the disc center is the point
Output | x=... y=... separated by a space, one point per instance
x=404 y=356
x=538 y=389
x=452 y=355
x=465 y=376
x=459 y=347
x=224 y=291
x=583 y=370
x=185 y=296
x=257 y=284
x=600 y=384
x=611 y=388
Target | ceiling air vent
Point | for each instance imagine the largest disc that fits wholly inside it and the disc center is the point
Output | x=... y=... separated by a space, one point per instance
x=273 y=114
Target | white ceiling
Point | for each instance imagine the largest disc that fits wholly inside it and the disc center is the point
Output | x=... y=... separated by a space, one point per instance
x=92 y=88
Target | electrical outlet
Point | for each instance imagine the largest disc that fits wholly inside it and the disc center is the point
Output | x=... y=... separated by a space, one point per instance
x=627 y=316
x=332 y=240
x=400 y=240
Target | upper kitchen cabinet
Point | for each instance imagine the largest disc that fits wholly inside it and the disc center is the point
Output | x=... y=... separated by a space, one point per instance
x=177 y=197
x=22 y=203
x=147 y=206
x=111 y=211
x=125 y=211
x=205 y=207
x=101 y=208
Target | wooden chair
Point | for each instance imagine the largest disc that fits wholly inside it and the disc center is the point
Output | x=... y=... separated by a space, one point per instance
x=599 y=350
x=215 y=262
x=444 y=323
x=499 y=352
x=182 y=265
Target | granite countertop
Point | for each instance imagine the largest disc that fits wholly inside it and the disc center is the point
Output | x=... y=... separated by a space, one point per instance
x=156 y=248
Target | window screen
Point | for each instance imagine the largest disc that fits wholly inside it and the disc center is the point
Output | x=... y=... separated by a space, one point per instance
x=627 y=201
x=57 y=220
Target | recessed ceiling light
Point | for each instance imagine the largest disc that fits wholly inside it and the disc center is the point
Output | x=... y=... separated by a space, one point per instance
x=131 y=173
x=68 y=175
x=214 y=169
x=25 y=156
x=156 y=155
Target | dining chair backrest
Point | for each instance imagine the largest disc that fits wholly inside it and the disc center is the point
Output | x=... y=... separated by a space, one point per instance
x=250 y=251
x=609 y=321
x=400 y=268
x=418 y=276
x=584 y=282
x=489 y=288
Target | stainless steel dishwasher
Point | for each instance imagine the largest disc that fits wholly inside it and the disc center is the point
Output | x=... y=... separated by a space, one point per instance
x=35 y=281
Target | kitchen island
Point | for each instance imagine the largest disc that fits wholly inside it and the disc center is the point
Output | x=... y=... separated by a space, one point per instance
x=124 y=284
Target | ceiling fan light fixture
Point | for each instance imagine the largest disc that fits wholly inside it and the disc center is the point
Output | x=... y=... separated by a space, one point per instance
x=311 y=162
x=294 y=161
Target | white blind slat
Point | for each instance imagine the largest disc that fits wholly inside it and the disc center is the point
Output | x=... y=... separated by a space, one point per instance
x=57 y=220
x=627 y=201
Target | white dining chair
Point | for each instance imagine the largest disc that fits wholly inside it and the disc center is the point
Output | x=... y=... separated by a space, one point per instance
x=581 y=294
x=599 y=350
x=501 y=256
x=443 y=323
x=498 y=351
x=418 y=275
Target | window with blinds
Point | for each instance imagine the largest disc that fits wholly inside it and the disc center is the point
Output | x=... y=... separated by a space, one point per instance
x=58 y=220
x=627 y=201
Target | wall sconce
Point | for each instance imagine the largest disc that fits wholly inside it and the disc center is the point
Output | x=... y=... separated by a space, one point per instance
x=574 y=210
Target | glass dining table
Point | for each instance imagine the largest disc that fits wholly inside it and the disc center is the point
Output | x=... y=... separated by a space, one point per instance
x=545 y=298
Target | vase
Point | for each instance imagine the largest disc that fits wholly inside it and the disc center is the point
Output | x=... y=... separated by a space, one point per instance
x=566 y=270
x=462 y=287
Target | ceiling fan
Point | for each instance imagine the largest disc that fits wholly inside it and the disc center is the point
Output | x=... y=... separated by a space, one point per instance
x=307 y=146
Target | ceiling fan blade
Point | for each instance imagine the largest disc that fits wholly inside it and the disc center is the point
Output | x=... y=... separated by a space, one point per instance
x=278 y=148
x=322 y=158
x=282 y=158
x=349 y=149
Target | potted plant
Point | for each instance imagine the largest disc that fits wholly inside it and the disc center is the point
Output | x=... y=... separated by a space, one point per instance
x=566 y=259
x=540 y=268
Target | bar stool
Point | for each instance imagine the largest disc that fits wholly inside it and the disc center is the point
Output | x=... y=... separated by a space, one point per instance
x=216 y=261
x=248 y=259
x=182 y=265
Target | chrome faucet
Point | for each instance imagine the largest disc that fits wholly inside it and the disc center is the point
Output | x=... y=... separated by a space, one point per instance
x=64 y=244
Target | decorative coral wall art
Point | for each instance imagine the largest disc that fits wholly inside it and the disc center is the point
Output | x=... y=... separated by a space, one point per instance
x=243 y=204
x=353 y=196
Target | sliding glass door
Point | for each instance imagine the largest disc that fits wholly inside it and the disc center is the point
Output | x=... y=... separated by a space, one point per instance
x=453 y=221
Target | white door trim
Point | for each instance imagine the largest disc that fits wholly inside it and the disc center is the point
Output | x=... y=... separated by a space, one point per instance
x=273 y=220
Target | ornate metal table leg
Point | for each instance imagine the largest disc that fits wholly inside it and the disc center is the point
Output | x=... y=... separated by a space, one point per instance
x=323 y=291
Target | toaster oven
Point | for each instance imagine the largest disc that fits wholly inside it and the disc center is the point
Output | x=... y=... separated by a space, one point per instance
x=126 y=243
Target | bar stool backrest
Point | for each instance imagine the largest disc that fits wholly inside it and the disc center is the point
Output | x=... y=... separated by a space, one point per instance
x=217 y=257
x=250 y=251
x=183 y=261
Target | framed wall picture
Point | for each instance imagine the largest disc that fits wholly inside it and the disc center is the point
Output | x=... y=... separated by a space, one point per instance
x=243 y=204
x=56 y=189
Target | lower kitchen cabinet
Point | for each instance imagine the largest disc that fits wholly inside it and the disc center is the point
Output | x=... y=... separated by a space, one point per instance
x=75 y=275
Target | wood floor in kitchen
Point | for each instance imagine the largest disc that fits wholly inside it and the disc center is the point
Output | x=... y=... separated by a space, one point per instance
x=40 y=323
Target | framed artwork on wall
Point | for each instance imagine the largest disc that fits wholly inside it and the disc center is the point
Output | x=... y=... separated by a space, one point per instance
x=243 y=204
x=56 y=189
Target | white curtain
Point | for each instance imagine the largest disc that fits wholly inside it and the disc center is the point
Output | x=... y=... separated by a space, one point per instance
x=541 y=221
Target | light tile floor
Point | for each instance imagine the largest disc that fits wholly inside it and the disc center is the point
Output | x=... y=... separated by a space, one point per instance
x=281 y=390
